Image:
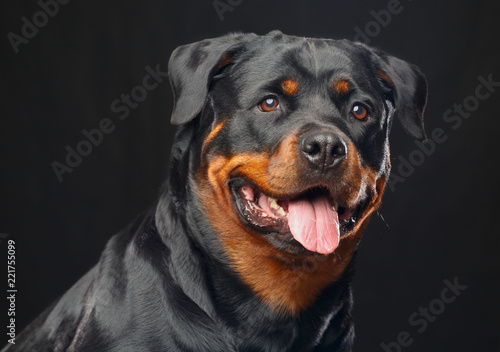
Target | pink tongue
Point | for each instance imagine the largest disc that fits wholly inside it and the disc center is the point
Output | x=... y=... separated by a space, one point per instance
x=315 y=224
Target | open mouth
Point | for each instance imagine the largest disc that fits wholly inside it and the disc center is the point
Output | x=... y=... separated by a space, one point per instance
x=312 y=218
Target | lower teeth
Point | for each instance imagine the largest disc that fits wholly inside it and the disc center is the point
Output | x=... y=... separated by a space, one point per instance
x=348 y=222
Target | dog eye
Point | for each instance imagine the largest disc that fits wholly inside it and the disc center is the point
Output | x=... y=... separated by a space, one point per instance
x=359 y=112
x=268 y=104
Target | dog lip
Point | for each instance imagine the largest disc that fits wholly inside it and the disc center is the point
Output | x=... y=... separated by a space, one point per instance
x=237 y=183
x=263 y=221
x=252 y=212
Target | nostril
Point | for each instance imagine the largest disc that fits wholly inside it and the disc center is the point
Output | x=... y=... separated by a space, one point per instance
x=312 y=148
x=339 y=150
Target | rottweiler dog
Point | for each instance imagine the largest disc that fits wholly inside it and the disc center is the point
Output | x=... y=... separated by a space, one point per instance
x=280 y=158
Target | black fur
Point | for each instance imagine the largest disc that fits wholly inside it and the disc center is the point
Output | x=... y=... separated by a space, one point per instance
x=164 y=283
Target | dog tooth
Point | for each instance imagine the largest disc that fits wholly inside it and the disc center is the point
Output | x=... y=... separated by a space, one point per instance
x=273 y=204
x=281 y=211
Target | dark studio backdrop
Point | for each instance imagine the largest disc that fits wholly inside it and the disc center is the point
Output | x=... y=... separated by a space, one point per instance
x=65 y=73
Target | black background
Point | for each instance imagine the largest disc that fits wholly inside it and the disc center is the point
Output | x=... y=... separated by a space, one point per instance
x=439 y=224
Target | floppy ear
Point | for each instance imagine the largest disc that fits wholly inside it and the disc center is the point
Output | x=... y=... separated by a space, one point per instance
x=409 y=93
x=191 y=67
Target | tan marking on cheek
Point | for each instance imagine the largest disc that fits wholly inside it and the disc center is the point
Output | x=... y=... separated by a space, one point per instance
x=283 y=172
x=352 y=178
x=368 y=182
x=276 y=174
x=290 y=87
x=216 y=180
x=211 y=136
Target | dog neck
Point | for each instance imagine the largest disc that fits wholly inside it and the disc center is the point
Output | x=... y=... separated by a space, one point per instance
x=206 y=278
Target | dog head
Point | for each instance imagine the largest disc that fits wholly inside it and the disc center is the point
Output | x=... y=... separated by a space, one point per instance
x=284 y=149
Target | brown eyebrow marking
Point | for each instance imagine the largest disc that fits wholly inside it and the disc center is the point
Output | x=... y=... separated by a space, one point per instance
x=225 y=60
x=385 y=78
x=341 y=87
x=290 y=87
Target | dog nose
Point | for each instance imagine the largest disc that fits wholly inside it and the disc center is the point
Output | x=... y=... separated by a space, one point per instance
x=323 y=150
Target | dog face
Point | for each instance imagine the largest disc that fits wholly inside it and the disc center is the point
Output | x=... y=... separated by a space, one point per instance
x=290 y=151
